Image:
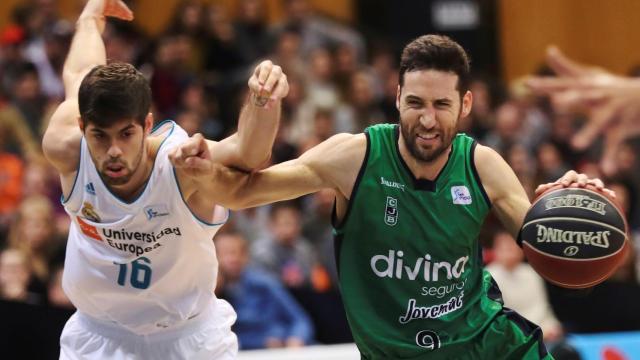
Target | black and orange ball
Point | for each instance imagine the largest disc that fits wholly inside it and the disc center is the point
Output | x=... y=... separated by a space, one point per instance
x=574 y=237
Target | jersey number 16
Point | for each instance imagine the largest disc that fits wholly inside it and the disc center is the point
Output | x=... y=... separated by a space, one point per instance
x=140 y=273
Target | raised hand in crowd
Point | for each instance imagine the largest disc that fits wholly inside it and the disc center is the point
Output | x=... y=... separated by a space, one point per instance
x=611 y=102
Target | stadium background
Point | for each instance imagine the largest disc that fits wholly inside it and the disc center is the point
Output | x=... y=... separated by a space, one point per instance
x=341 y=58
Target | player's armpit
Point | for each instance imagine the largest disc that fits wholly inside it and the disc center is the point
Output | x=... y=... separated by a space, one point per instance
x=509 y=199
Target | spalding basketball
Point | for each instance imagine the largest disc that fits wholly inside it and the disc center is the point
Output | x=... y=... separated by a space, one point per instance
x=574 y=237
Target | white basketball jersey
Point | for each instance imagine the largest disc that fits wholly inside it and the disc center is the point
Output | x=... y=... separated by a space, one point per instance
x=145 y=265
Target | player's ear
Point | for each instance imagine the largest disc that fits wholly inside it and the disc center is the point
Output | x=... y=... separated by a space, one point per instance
x=81 y=123
x=467 y=102
x=398 y=98
x=148 y=123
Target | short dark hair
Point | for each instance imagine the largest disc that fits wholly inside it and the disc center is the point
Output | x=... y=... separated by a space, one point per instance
x=113 y=92
x=436 y=52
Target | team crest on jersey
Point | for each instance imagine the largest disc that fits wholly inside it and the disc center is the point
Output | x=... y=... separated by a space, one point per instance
x=391 y=211
x=154 y=211
x=461 y=195
x=89 y=212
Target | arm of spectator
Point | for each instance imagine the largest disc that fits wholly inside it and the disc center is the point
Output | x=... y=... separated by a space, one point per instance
x=299 y=329
x=611 y=102
x=62 y=138
x=251 y=146
x=18 y=131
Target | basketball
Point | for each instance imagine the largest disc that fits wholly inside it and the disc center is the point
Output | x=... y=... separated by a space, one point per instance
x=574 y=237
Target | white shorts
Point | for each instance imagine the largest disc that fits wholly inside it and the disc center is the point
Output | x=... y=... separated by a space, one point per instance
x=207 y=336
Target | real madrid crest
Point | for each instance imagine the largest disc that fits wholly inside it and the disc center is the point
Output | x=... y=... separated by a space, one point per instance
x=89 y=212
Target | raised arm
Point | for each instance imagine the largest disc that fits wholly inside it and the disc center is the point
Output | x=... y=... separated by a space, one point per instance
x=250 y=147
x=333 y=163
x=61 y=140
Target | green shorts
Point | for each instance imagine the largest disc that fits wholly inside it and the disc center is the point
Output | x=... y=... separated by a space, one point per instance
x=507 y=336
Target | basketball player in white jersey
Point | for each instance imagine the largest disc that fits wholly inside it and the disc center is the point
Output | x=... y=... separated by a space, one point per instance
x=140 y=264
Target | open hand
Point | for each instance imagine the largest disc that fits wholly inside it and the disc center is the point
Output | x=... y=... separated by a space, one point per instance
x=572 y=177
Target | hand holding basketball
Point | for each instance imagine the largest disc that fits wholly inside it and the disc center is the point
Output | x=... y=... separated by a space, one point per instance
x=572 y=177
x=574 y=235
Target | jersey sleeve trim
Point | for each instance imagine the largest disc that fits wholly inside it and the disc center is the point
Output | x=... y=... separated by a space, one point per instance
x=476 y=175
x=205 y=223
x=334 y=217
x=64 y=200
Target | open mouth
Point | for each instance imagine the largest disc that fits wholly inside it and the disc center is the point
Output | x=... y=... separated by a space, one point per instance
x=115 y=170
x=427 y=139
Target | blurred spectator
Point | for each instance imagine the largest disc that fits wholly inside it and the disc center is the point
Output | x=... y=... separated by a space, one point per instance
x=318 y=229
x=48 y=54
x=268 y=317
x=319 y=31
x=55 y=294
x=33 y=232
x=522 y=288
x=286 y=52
x=320 y=88
x=507 y=131
x=524 y=166
x=11 y=40
x=28 y=99
x=550 y=163
x=170 y=73
x=323 y=128
x=285 y=254
x=15 y=278
x=251 y=31
x=481 y=119
x=362 y=107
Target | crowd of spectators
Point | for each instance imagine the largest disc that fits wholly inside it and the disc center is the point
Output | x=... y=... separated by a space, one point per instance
x=276 y=262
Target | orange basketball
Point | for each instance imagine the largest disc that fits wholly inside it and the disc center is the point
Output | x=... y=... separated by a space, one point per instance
x=574 y=237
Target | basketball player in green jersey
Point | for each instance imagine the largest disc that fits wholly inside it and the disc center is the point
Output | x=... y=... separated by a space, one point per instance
x=410 y=202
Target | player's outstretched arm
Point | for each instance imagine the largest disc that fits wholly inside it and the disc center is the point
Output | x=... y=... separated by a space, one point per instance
x=333 y=163
x=61 y=140
x=250 y=147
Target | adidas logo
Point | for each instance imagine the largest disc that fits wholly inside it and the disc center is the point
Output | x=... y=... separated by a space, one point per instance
x=90 y=189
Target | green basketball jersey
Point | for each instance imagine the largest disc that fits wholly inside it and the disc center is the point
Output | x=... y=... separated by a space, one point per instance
x=409 y=261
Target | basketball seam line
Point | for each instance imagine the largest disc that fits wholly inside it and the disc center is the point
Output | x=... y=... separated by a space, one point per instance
x=576 y=219
x=572 y=259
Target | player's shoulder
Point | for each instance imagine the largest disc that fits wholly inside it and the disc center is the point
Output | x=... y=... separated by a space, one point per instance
x=61 y=142
x=484 y=155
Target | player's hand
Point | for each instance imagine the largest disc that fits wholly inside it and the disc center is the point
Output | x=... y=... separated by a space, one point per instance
x=268 y=84
x=581 y=180
x=193 y=157
x=113 y=8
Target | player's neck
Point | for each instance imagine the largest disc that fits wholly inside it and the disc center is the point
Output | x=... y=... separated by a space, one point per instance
x=423 y=169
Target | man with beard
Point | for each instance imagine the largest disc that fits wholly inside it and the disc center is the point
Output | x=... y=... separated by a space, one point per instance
x=410 y=202
x=140 y=264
